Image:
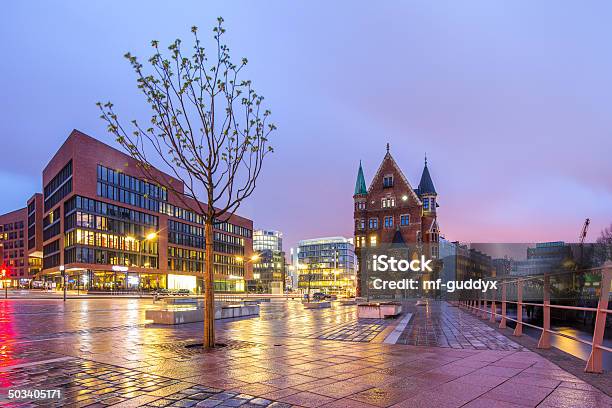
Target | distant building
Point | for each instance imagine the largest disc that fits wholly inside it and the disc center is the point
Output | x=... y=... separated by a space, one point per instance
x=545 y=257
x=392 y=213
x=502 y=266
x=269 y=268
x=14 y=241
x=21 y=242
x=326 y=265
x=460 y=262
x=291 y=271
x=265 y=239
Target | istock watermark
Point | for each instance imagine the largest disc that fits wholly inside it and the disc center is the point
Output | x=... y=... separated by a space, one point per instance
x=450 y=286
x=384 y=263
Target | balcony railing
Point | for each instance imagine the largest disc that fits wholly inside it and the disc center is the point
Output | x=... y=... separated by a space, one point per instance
x=486 y=306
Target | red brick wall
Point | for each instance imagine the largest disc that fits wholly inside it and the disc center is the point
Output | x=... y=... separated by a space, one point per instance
x=11 y=256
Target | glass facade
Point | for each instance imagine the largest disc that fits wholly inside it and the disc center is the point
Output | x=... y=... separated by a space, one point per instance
x=59 y=187
x=126 y=189
x=272 y=240
x=327 y=265
x=101 y=233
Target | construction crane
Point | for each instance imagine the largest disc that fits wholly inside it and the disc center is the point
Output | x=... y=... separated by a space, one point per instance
x=584 y=231
x=581 y=238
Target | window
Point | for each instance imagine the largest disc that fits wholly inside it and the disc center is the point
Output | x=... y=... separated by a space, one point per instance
x=389 y=222
x=388 y=202
x=426 y=204
x=388 y=181
x=405 y=219
x=360 y=205
x=373 y=240
x=373 y=223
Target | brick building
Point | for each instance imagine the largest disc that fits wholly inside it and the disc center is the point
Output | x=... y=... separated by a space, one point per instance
x=14 y=241
x=20 y=242
x=390 y=213
x=106 y=227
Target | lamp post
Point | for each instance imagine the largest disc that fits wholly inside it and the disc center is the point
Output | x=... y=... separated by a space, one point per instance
x=253 y=258
x=63 y=271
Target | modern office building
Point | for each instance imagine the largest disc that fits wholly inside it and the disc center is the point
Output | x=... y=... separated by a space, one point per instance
x=326 y=265
x=390 y=213
x=545 y=257
x=101 y=223
x=269 y=265
x=266 y=239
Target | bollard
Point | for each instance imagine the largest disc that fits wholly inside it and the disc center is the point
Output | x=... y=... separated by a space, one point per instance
x=493 y=307
x=483 y=314
x=544 y=342
x=594 y=363
x=502 y=323
x=518 y=330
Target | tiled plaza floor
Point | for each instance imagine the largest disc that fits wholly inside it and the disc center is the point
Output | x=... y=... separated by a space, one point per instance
x=100 y=354
x=445 y=326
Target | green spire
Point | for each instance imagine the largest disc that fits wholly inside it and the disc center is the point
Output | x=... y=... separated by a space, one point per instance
x=360 y=185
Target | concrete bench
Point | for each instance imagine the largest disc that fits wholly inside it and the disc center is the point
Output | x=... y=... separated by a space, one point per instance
x=378 y=310
x=180 y=315
x=316 y=305
x=179 y=300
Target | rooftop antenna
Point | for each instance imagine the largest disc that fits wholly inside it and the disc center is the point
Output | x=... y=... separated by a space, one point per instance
x=387 y=147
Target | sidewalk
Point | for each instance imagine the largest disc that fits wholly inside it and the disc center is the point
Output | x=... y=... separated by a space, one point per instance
x=277 y=361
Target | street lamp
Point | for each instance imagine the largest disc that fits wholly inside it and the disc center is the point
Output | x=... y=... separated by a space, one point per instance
x=3 y=272
x=62 y=269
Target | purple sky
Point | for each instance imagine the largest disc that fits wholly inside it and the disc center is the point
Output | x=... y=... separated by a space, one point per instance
x=510 y=100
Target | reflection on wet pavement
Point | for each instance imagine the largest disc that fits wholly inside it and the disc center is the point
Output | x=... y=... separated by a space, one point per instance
x=100 y=352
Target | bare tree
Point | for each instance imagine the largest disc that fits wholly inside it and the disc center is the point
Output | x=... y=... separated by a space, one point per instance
x=603 y=246
x=208 y=126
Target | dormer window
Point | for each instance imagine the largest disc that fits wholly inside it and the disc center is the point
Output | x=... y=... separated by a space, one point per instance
x=426 y=204
x=388 y=181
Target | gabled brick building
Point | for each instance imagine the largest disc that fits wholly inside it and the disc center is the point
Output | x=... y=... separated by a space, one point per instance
x=393 y=213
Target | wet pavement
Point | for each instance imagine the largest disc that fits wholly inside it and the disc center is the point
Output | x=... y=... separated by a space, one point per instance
x=100 y=352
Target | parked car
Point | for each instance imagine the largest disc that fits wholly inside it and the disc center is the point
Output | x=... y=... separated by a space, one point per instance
x=183 y=292
x=320 y=296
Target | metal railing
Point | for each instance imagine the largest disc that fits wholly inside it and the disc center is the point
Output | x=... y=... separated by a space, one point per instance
x=486 y=307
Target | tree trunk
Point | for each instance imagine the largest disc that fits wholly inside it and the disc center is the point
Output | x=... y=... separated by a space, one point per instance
x=209 y=294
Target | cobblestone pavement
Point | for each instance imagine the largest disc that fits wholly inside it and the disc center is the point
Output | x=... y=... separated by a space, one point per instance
x=99 y=353
x=441 y=325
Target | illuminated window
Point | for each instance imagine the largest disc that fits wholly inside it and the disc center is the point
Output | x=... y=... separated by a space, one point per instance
x=405 y=219
x=373 y=240
x=388 y=202
x=388 y=222
x=373 y=223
